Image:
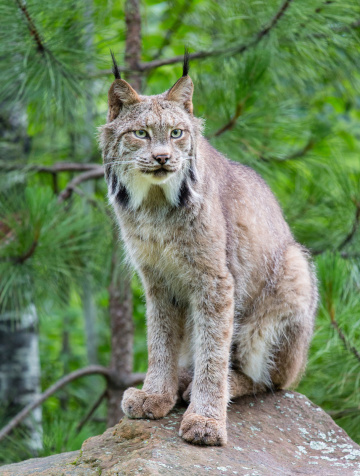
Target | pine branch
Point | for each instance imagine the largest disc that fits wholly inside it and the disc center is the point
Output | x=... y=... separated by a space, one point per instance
x=321 y=8
x=21 y=259
x=350 y=255
x=231 y=124
x=293 y=156
x=348 y=237
x=32 y=28
x=173 y=29
x=226 y=51
x=45 y=51
x=335 y=414
x=354 y=228
x=342 y=336
x=111 y=378
x=141 y=67
x=90 y=413
x=24 y=257
x=93 y=173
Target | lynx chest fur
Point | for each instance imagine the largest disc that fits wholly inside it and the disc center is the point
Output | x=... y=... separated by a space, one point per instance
x=230 y=296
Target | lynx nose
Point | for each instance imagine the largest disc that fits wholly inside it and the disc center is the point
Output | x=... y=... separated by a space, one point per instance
x=162 y=158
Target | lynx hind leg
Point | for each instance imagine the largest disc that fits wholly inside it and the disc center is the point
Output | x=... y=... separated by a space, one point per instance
x=297 y=292
x=271 y=348
x=271 y=357
x=290 y=357
x=240 y=385
x=185 y=381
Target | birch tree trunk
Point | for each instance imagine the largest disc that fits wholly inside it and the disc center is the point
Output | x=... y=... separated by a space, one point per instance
x=20 y=370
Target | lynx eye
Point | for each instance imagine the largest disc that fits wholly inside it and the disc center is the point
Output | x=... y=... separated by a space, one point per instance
x=176 y=133
x=141 y=134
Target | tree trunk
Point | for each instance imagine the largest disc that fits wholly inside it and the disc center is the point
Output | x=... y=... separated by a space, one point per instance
x=122 y=331
x=20 y=370
x=88 y=301
x=89 y=309
x=133 y=42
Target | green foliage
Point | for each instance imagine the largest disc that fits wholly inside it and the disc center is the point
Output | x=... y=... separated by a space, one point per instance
x=48 y=39
x=45 y=248
x=288 y=105
x=332 y=378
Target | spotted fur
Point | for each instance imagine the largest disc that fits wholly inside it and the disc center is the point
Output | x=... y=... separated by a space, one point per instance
x=230 y=294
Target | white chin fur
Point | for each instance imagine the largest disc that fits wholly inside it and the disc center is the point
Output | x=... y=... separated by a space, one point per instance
x=140 y=185
x=158 y=180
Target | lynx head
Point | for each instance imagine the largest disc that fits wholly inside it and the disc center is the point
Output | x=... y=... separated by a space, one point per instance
x=150 y=140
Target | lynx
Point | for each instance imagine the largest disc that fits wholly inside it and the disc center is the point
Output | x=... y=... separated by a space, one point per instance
x=231 y=297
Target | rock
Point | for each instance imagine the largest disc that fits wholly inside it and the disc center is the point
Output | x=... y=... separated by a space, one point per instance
x=270 y=434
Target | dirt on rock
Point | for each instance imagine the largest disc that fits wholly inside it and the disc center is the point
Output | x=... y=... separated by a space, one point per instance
x=271 y=434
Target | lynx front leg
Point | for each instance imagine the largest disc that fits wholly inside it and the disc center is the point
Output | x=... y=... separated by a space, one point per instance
x=159 y=392
x=204 y=421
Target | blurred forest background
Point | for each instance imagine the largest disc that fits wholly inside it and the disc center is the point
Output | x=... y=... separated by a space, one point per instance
x=278 y=84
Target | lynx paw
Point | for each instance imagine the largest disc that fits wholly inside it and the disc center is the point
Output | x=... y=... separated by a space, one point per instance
x=139 y=404
x=186 y=395
x=201 y=430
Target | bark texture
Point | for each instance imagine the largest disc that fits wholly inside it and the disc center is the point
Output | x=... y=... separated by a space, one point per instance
x=122 y=333
x=133 y=42
x=273 y=434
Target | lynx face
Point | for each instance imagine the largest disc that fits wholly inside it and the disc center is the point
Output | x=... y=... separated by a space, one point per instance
x=150 y=140
x=158 y=144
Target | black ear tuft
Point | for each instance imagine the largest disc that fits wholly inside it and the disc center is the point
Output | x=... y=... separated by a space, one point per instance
x=186 y=65
x=115 y=67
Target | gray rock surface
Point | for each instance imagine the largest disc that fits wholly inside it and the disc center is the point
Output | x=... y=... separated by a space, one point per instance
x=273 y=434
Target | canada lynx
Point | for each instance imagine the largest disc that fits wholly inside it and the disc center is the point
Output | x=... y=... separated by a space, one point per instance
x=231 y=297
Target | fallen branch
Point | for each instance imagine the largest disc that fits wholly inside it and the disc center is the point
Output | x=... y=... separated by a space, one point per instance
x=91 y=370
x=109 y=374
x=53 y=169
x=233 y=50
x=94 y=173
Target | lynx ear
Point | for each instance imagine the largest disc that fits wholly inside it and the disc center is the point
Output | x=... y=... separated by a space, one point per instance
x=183 y=89
x=182 y=92
x=120 y=94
